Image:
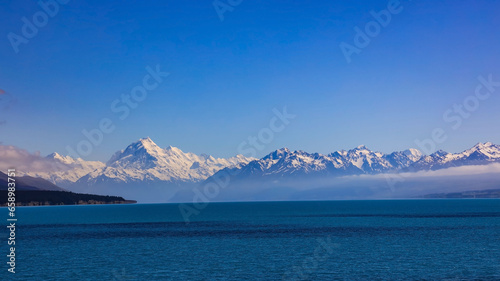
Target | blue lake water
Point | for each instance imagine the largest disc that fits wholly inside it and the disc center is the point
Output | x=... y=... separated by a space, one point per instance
x=335 y=240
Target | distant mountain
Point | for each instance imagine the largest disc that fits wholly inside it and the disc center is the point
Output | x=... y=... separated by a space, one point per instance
x=142 y=171
x=284 y=163
x=147 y=172
x=64 y=170
x=480 y=154
x=361 y=160
x=144 y=161
x=28 y=183
x=141 y=162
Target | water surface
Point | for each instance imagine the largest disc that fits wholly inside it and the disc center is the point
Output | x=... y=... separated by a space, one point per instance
x=330 y=240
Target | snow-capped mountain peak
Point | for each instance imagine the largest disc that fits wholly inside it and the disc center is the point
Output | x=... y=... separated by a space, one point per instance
x=277 y=154
x=480 y=154
x=360 y=160
x=142 y=154
x=486 y=150
x=63 y=170
x=144 y=160
x=413 y=154
x=58 y=157
x=145 y=144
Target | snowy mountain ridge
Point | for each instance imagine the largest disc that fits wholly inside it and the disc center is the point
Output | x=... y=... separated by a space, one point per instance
x=64 y=170
x=145 y=161
x=361 y=160
x=141 y=161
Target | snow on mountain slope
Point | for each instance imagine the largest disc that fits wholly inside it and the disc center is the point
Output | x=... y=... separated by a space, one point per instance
x=146 y=161
x=284 y=163
x=481 y=153
x=64 y=170
x=364 y=159
x=360 y=160
x=403 y=159
x=140 y=161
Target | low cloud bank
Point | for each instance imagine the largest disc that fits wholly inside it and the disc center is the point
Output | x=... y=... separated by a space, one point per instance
x=448 y=172
x=380 y=186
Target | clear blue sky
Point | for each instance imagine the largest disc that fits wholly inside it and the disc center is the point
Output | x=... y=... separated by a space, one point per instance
x=227 y=76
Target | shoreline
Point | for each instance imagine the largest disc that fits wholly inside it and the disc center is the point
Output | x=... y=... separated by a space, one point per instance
x=41 y=204
x=57 y=198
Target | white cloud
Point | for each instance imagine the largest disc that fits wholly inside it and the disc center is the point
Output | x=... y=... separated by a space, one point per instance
x=24 y=161
x=453 y=171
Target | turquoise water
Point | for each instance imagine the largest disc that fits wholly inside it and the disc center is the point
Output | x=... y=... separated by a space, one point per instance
x=336 y=240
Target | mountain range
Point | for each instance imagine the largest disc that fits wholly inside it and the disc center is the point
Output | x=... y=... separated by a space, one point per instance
x=142 y=161
x=160 y=173
x=359 y=173
x=361 y=160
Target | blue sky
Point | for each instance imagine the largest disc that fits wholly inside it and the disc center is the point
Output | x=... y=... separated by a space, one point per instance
x=226 y=77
